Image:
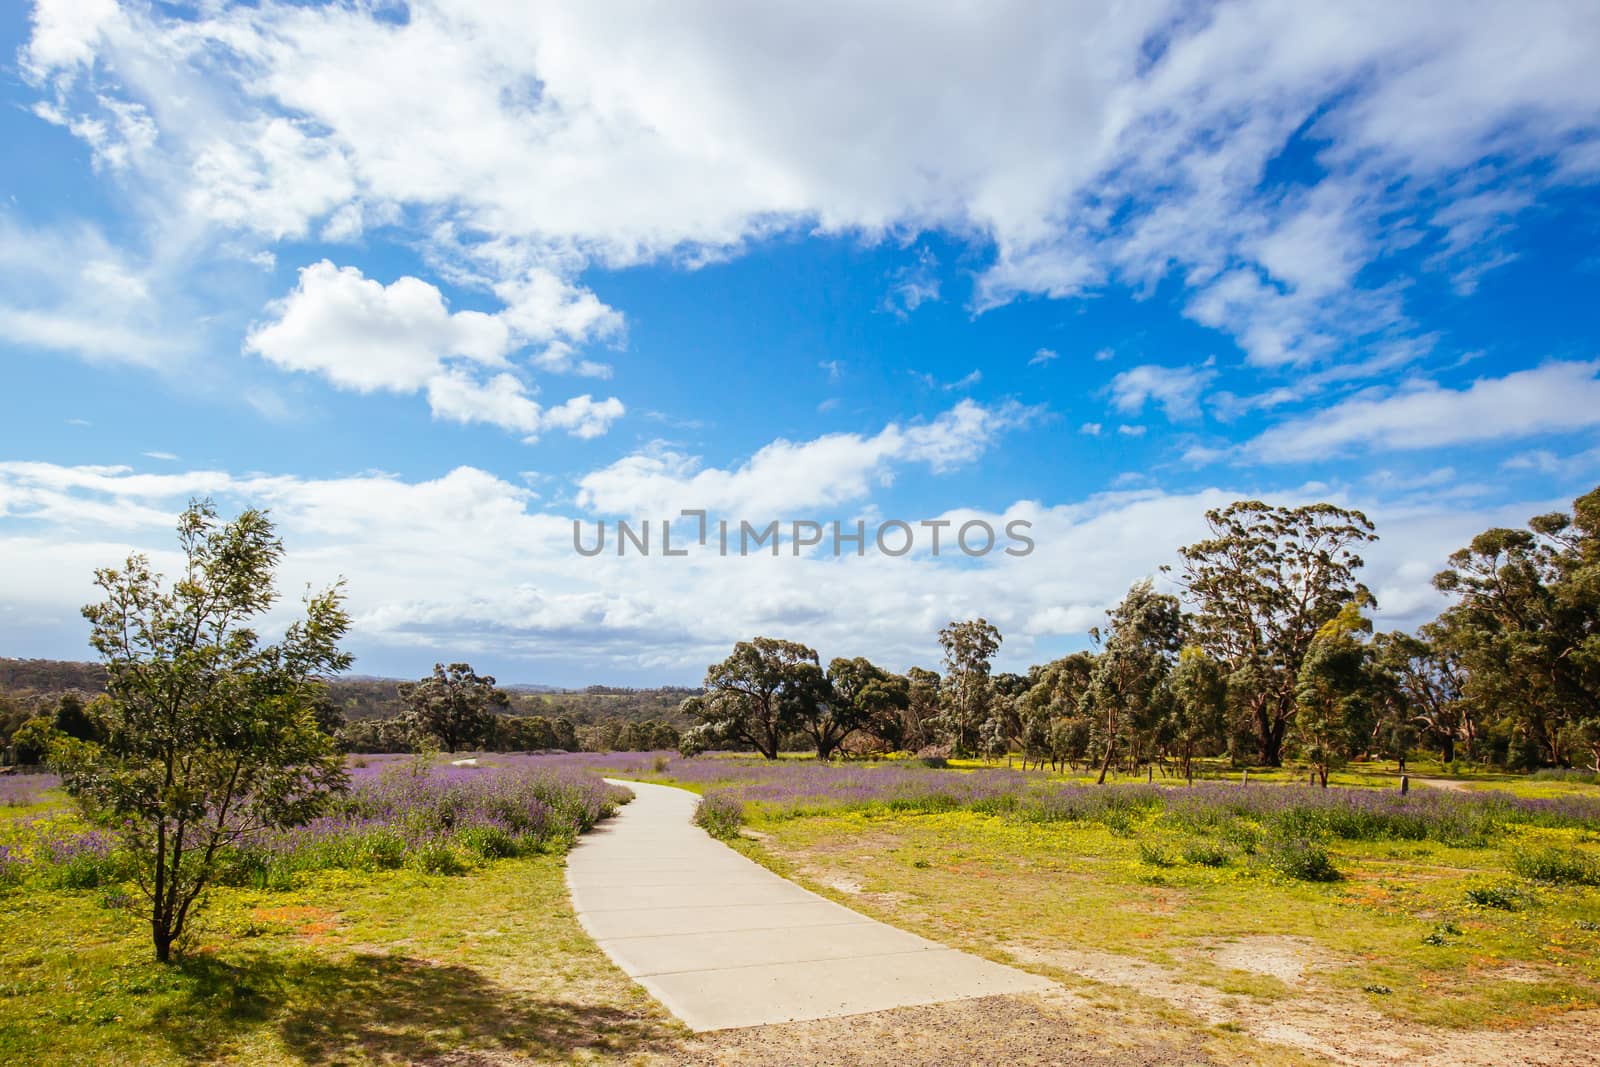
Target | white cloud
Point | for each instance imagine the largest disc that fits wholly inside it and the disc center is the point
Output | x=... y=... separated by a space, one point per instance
x=1131 y=431
x=1553 y=398
x=1176 y=389
x=363 y=335
x=1091 y=429
x=1087 y=144
x=1043 y=356
x=785 y=477
x=1544 y=461
x=474 y=571
x=70 y=291
x=913 y=285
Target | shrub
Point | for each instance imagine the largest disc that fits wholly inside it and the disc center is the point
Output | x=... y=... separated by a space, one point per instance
x=1500 y=897
x=488 y=842
x=1566 y=774
x=1561 y=866
x=1300 y=858
x=719 y=815
x=10 y=868
x=1118 y=821
x=437 y=856
x=382 y=849
x=1242 y=836
x=1156 y=854
x=1206 y=854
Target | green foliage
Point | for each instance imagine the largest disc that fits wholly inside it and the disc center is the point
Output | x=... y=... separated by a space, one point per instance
x=1197 y=711
x=1264 y=582
x=1301 y=858
x=966 y=693
x=1204 y=853
x=488 y=842
x=1054 y=728
x=765 y=690
x=1127 y=691
x=209 y=736
x=858 y=695
x=1498 y=897
x=719 y=815
x=1558 y=866
x=438 y=856
x=33 y=740
x=455 y=705
x=1334 y=692
x=1526 y=629
x=1156 y=854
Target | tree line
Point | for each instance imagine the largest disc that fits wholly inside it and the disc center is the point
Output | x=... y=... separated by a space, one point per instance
x=1265 y=651
x=371 y=715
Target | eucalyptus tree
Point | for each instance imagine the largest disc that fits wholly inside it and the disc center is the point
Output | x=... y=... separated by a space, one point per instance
x=205 y=735
x=1052 y=722
x=1428 y=687
x=759 y=694
x=455 y=704
x=920 y=720
x=1127 y=691
x=1526 y=624
x=1261 y=586
x=1197 y=711
x=967 y=693
x=859 y=695
x=1334 y=692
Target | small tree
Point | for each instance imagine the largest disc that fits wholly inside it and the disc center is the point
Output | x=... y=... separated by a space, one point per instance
x=1126 y=693
x=967 y=694
x=207 y=735
x=456 y=705
x=1334 y=690
x=1052 y=724
x=1426 y=691
x=1198 y=709
x=921 y=718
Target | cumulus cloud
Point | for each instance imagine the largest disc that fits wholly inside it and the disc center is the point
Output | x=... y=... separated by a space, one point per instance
x=477 y=570
x=1176 y=389
x=1088 y=145
x=785 y=477
x=363 y=335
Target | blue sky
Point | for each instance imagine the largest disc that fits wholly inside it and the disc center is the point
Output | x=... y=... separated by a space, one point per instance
x=432 y=281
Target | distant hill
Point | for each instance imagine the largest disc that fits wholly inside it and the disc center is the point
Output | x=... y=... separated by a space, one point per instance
x=39 y=682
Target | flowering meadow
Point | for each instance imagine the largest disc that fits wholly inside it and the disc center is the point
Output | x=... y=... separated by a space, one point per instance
x=1214 y=824
x=789 y=788
x=398 y=812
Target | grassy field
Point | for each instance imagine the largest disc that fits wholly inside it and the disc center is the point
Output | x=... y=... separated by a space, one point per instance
x=359 y=968
x=1453 y=931
x=1184 y=925
x=349 y=966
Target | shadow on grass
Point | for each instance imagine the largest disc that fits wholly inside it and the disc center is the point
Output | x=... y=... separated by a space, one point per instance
x=389 y=1009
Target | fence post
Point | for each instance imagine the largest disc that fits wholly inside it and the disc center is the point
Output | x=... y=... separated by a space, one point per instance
x=1405 y=784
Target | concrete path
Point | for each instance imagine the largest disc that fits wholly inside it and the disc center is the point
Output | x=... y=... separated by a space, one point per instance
x=724 y=942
